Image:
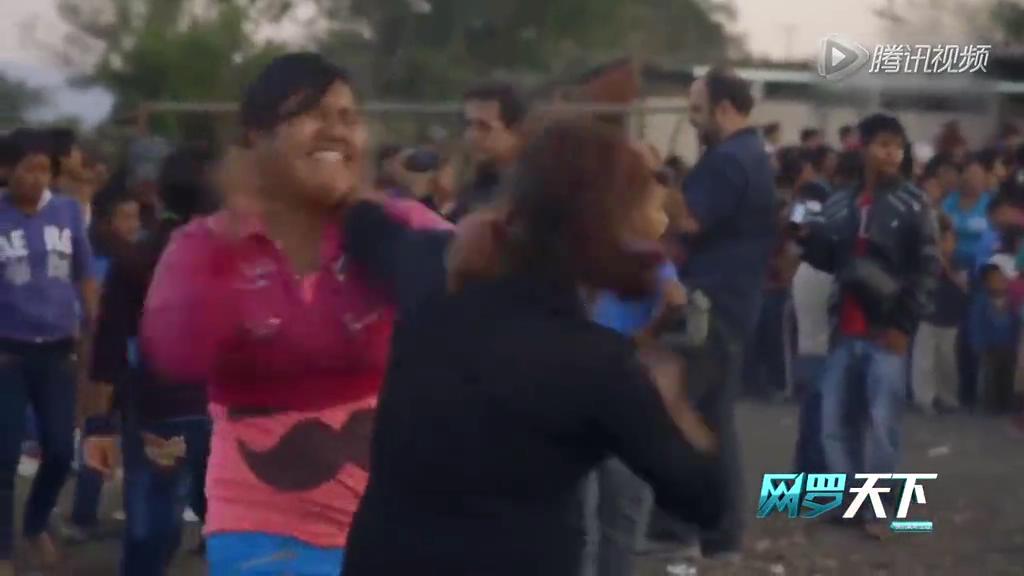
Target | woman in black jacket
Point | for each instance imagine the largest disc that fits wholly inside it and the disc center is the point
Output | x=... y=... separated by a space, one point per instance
x=502 y=394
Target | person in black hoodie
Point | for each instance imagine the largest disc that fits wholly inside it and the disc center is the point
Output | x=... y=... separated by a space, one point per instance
x=166 y=432
x=502 y=394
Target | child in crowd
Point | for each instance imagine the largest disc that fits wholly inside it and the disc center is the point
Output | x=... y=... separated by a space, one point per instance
x=934 y=360
x=995 y=329
x=118 y=225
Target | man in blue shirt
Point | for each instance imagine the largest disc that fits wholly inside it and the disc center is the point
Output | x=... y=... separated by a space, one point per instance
x=730 y=230
x=45 y=267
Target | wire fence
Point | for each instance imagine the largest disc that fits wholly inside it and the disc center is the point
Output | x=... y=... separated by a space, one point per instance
x=391 y=122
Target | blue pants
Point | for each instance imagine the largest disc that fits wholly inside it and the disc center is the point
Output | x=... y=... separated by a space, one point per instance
x=155 y=498
x=863 y=393
x=810 y=454
x=259 y=554
x=44 y=376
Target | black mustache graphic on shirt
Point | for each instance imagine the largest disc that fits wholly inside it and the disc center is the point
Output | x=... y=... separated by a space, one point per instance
x=311 y=453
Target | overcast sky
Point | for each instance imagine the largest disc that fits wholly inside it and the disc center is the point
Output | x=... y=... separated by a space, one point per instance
x=775 y=28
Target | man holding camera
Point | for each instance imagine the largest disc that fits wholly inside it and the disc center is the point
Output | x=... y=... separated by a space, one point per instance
x=878 y=239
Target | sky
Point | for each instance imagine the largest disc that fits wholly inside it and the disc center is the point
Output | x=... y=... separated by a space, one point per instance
x=779 y=29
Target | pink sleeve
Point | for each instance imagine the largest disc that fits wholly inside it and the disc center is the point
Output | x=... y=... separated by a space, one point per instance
x=188 y=312
x=415 y=215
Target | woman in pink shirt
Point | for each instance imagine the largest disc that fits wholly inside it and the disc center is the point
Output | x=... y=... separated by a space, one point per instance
x=289 y=336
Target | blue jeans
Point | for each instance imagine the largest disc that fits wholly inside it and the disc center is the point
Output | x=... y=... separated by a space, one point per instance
x=259 y=554
x=155 y=498
x=44 y=376
x=863 y=393
x=810 y=455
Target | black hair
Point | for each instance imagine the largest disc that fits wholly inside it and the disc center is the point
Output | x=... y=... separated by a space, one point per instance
x=986 y=272
x=25 y=142
x=850 y=166
x=907 y=164
x=62 y=142
x=289 y=86
x=986 y=158
x=104 y=209
x=182 y=182
x=809 y=133
x=877 y=124
x=817 y=156
x=724 y=85
x=512 y=105
x=845 y=130
x=938 y=162
x=791 y=163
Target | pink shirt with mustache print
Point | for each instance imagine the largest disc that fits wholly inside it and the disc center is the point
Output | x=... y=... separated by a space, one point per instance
x=293 y=366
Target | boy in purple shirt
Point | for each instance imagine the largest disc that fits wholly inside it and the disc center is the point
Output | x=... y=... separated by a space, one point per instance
x=45 y=267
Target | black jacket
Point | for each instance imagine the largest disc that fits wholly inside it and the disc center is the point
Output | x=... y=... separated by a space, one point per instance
x=497 y=402
x=138 y=393
x=896 y=279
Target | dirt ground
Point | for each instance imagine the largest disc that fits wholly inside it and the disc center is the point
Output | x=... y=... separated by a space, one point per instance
x=976 y=505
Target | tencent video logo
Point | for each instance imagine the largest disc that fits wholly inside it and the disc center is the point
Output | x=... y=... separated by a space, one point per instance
x=840 y=58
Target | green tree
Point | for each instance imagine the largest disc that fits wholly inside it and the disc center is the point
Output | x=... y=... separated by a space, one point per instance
x=144 y=50
x=432 y=49
x=17 y=100
x=1008 y=18
x=170 y=50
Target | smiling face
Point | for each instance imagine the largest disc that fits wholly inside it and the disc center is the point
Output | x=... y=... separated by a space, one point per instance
x=315 y=157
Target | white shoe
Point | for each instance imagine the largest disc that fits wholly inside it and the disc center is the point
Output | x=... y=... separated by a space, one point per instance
x=190 y=516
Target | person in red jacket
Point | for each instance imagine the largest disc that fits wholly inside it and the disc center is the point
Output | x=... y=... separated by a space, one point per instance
x=260 y=302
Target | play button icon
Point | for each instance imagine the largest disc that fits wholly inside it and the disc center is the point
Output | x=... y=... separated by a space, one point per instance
x=840 y=58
